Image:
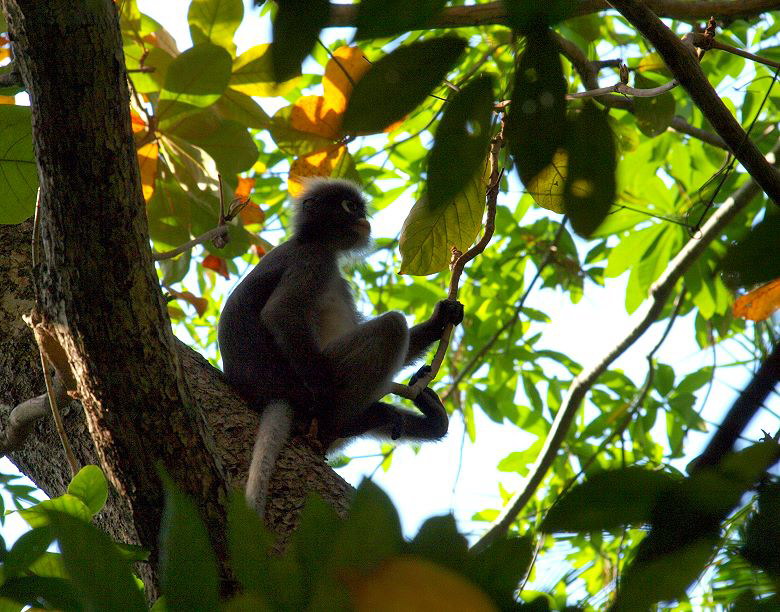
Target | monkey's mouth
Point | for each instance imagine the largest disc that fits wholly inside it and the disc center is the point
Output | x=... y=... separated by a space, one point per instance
x=362 y=227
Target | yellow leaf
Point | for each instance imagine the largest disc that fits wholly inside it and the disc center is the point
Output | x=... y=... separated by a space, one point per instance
x=413 y=584
x=335 y=83
x=252 y=74
x=7 y=100
x=760 y=303
x=321 y=163
x=546 y=188
x=147 y=163
x=311 y=114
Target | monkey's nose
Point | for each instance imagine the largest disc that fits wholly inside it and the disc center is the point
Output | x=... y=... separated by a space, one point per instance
x=363 y=226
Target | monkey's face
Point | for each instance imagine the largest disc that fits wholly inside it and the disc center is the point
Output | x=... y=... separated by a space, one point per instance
x=334 y=212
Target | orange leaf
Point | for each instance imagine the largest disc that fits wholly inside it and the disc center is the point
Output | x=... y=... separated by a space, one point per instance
x=4 y=40
x=147 y=163
x=251 y=214
x=336 y=84
x=200 y=303
x=5 y=53
x=245 y=186
x=219 y=265
x=313 y=115
x=256 y=249
x=139 y=125
x=7 y=100
x=320 y=163
x=760 y=303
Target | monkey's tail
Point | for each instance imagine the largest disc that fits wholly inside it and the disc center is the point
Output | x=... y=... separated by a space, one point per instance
x=272 y=435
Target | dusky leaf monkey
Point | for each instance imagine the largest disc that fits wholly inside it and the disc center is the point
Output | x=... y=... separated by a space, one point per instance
x=295 y=347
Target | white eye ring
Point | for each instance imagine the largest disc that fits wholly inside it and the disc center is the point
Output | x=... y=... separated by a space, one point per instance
x=348 y=206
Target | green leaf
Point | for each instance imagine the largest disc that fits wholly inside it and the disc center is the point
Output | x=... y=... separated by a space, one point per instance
x=230 y=145
x=240 y=107
x=91 y=487
x=295 y=30
x=38 y=515
x=215 y=21
x=26 y=550
x=18 y=172
x=653 y=115
x=753 y=260
x=55 y=593
x=198 y=77
x=537 y=116
x=187 y=563
x=590 y=185
x=399 y=82
x=276 y=579
x=665 y=578
x=380 y=18
x=428 y=236
x=499 y=569
x=101 y=575
x=461 y=142
x=607 y=500
x=440 y=541
x=314 y=539
x=253 y=74
x=526 y=17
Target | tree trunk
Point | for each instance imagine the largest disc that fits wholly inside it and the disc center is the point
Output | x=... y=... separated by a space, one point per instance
x=98 y=294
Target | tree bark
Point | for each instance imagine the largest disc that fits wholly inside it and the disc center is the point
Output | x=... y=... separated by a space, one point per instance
x=98 y=294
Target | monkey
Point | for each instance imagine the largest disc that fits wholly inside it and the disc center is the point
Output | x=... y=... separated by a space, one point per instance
x=295 y=348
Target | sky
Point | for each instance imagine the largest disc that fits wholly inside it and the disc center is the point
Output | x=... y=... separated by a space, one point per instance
x=455 y=475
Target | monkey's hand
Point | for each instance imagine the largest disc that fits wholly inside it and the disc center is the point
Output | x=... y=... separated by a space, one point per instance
x=436 y=421
x=446 y=312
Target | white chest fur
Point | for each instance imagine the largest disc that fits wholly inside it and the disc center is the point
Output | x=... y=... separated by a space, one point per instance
x=337 y=314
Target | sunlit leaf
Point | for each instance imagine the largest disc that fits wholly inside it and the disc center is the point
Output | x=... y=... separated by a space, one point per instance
x=653 y=115
x=380 y=18
x=536 y=122
x=399 y=82
x=215 y=21
x=18 y=172
x=322 y=163
x=590 y=185
x=295 y=30
x=198 y=77
x=428 y=235
x=38 y=515
x=147 y=164
x=461 y=142
x=313 y=114
x=293 y=141
x=199 y=303
x=343 y=70
x=759 y=304
x=253 y=74
x=218 y=264
x=546 y=188
x=91 y=487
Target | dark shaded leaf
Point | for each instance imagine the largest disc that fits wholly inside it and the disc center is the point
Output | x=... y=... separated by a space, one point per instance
x=295 y=31
x=499 y=569
x=536 y=122
x=753 y=260
x=313 y=540
x=56 y=593
x=27 y=549
x=101 y=575
x=762 y=537
x=379 y=18
x=590 y=184
x=608 y=500
x=440 y=541
x=399 y=82
x=274 y=578
x=653 y=115
x=524 y=16
x=461 y=142
x=187 y=563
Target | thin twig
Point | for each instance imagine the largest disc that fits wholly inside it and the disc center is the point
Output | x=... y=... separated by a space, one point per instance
x=55 y=412
x=625 y=90
x=705 y=42
x=205 y=237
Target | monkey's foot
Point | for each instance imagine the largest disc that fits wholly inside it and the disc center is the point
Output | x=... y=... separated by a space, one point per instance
x=423 y=371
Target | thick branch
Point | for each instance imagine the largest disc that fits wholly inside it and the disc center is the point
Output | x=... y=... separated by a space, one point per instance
x=494 y=13
x=686 y=69
x=659 y=294
x=23 y=418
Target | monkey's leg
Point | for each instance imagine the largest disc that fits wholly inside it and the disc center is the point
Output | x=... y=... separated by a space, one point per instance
x=388 y=421
x=364 y=362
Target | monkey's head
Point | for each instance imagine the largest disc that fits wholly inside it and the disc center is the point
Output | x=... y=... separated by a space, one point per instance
x=332 y=211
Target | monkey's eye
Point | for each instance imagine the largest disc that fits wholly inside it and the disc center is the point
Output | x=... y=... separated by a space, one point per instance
x=349 y=206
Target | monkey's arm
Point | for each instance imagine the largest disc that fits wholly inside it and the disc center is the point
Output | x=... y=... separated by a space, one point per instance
x=423 y=335
x=290 y=316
